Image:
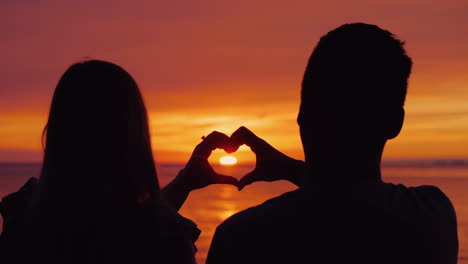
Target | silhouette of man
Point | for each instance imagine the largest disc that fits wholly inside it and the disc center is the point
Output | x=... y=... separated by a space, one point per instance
x=352 y=99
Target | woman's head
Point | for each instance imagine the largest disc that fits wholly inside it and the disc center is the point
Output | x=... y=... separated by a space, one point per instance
x=97 y=141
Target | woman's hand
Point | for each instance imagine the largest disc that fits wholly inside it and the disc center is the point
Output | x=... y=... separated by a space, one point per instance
x=198 y=172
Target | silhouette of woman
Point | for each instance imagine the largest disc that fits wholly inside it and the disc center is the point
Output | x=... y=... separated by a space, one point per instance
x=98 y=198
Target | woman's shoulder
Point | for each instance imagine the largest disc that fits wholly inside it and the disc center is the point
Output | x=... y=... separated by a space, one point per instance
x=166 y=221
x=13 y=209
x=13 y=205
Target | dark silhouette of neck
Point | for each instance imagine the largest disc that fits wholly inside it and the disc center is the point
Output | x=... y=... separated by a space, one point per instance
x=345 y=165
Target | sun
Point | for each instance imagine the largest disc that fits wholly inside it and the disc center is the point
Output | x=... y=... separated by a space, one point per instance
x=227 y=160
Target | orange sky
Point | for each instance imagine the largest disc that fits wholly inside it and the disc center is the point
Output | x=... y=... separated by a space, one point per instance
x=215 y=65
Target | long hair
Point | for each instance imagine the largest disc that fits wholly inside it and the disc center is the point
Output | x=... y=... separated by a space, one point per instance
x=98 y=161
x=97 y=135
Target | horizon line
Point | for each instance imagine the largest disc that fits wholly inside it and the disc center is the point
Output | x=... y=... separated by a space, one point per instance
x=390 y=162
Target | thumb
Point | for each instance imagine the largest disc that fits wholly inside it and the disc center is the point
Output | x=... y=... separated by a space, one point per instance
x=224 y=179
x=249 y=178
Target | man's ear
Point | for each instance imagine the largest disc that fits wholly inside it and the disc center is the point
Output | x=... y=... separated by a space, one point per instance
x=395 y=123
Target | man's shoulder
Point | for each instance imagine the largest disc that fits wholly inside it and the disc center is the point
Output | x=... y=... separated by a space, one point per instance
x=429 y=191
x=269 y=211
x=253 y=231
x=424 y=194
x=387 y=196
x=436 y=201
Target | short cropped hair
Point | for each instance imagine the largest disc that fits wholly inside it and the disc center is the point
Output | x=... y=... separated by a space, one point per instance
x=356 y=66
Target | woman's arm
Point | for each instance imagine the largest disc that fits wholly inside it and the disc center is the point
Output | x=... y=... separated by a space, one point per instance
x=175 y=193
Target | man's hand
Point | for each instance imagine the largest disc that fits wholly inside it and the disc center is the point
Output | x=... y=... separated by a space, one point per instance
x=271 y=165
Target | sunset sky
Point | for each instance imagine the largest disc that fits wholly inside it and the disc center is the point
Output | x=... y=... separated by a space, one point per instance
x=216 y=65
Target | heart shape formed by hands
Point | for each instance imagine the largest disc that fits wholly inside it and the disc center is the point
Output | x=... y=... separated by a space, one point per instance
x=271 y=165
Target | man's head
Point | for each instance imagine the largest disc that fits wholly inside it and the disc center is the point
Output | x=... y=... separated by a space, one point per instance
x=354 y=89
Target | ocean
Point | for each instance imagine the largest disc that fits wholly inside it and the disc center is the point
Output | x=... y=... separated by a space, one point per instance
x=208 y=207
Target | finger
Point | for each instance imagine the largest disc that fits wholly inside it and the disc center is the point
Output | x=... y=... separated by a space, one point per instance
x=244 y=136
x=213 y=141
x=223 y=179
x=231 y=147
x=249 y=178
